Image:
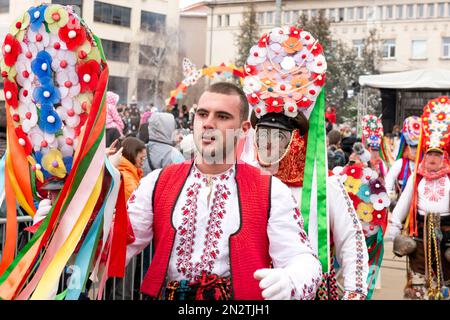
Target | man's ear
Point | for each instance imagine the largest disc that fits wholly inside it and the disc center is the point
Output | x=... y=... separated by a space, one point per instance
x=245 y=126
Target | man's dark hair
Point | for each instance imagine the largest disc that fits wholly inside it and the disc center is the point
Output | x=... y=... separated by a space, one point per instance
x=111 y=134
x=131 y=147
x=334 y=137
x=232 y=89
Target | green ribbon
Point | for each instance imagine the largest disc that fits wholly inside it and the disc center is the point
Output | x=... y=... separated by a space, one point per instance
x=316 y=155
x=376 y=256
x=62 y=295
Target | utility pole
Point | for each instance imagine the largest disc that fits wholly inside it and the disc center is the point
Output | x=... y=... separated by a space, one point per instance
x=278 y=13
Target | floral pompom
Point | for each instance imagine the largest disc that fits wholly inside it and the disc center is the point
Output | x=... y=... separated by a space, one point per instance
x=53 y=163
x=88 y=74
x=42 y=66
x=37 y=16
x=11 y=93
x=17 y=29
x=46 y=94
x=56 y=17
x=72 y=34
x=11 y=50
x=49 y=120
x=23 y=140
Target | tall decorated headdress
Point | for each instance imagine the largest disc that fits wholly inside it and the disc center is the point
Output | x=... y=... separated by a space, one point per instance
x=435 y=136
x=285 y=75
x=55 y=77
x=372 y=131
x=410 y=134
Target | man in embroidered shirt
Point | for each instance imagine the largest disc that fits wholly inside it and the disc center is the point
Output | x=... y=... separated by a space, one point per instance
x=221 y=229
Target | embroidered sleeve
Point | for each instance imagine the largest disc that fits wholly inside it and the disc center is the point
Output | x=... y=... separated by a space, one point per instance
x=350 y=295
x=140 y=212
x=289 y=245
x=348 y=237
x=392 y=175
x=402 y=207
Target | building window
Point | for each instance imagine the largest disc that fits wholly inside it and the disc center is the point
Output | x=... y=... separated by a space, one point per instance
x=146 y=90
x=446 y=47
x=115 y=50
x=149 y=55
x=119 y=85
x=77 y=5
x=219 y=20
x=389 y=12
x=151 y=21
x=371 y=13
x=430 y=10
x=350 y=13
x=389 y=49
x=358 y=46
x=420 y=10
x=380 y=13
x=261 y=18
x=441 y=9
x=418 y=49
x=399 y=12
x=295 y=15
x=227 y=20
x=360 y=13
x=269 y=16
x=287 y=17
x=341 y=14
x=112 y=14
x=4 y=6
x=313 y=13
x=332 y=15
x=410 y=10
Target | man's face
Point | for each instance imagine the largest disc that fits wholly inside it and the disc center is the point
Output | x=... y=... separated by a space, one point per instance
x=412 y=151
x=271 y=143
x=434 y=161
x=217 y=122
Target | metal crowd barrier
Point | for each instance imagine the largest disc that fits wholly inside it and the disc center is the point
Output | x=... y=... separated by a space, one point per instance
x=127 y=288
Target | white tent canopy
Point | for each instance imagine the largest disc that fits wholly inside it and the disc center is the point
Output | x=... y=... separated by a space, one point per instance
x=416 y=79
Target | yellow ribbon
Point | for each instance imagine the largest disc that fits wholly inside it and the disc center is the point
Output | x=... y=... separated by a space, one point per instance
x=45 y=288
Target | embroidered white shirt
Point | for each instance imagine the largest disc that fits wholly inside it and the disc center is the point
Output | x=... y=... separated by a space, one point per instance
x=205 y=216
x=393 y=173
x=432 y=196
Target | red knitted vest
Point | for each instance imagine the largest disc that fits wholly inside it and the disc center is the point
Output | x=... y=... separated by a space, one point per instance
x=249 y=246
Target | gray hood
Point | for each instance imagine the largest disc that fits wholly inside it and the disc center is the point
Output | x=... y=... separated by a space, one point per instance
x=161 y=127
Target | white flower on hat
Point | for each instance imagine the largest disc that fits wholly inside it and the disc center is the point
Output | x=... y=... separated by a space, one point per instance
x=25 y=75
x=29 y=51
x=380 y=201
x=438 y=126
x=439 y=107
x=290 y=108
x=319 y=65
x=40 y=38
x=28 y=115
x=69 y=116
x=307 y=38
x=67 y=143
x=312 y=92
x=69 y=85
x=303 y=55
x=55 y=45
x=252 y=84
x=279 y=35
x=257 y=55
x=368 y=175
x=276 y=52
x=64 y=60
x=69 y=103
x=260 y=109
x=42 y=141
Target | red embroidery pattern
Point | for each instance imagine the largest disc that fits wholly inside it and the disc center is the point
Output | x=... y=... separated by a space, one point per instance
x=435 y=189
x=186 y=231
x=214 y=232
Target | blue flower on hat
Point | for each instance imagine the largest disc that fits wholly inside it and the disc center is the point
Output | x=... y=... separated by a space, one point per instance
x=38 y=157
x=68 y=161
x=42 y=66
x=37 y=17
x=364 y=193
x=49 y=121
x=46 y=94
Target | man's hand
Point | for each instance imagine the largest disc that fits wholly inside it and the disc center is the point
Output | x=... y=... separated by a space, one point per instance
x=42 y=211
x=275 y=284
x=393 y=231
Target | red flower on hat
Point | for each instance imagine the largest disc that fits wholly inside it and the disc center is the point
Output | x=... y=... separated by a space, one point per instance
x=11 y=93
x=319 y=79
x=294 y=32
x=378 y=217
x=72 y=34
x=11 y=50
x=274 y=105
x=315 y=49
x=355 y=199
x=250 y=70
x=23 y=140
x=253 y=98
x=88 y=74
x=354 y=171
x=83 y=117
x=263 y=41
x=304 y=103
